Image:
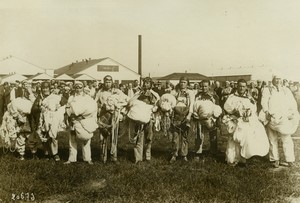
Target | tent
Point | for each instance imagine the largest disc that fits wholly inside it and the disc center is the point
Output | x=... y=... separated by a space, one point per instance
x=64 y=77
x=84 y=77
x=13 y=78
x=40 y=76
x=14 y=64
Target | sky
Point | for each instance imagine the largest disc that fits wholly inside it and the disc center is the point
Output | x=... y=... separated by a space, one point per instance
x=202 y=36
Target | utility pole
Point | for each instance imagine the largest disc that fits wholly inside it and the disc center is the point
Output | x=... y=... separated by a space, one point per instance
x=140 y=56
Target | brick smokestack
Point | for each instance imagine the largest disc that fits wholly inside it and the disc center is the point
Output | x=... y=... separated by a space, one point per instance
x=140 y=55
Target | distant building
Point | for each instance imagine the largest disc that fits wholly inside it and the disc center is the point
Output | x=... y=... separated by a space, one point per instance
x=14 y=65
x=236 y=73
x=225 y=78
x=174 y=77
x=98 y=69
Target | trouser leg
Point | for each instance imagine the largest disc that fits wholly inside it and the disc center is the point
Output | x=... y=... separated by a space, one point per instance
x=20 y=144
x=86 y=150
x=239 y=157
x=213 y=141
x=32 y=142
x=114 y=145
x=288 y=148
x=148 y=139
x=72 y=147
x=199 y=139
x=184 y=143
x=273 y=140
x=54 y=146
x=138 y=148
x=175 y=143
x=103 y=148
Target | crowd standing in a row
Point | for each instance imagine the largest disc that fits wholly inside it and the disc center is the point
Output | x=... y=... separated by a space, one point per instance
x=252 y=115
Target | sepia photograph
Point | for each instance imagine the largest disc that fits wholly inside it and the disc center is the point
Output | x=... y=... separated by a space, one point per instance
x=162 y=101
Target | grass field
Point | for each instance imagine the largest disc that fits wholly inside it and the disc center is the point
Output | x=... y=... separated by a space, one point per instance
x=209 y=180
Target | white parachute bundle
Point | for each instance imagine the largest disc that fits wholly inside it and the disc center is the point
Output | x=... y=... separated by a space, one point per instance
x=53 y=121
x=83 y=105
x=85 y=128
x=52 y=102
x=20 y=105
x=167 y=102
x=8 y=128
x=114 y=101
x=285 y=124
x=207 y=109
x=284 y=113
x=139 y=111
x=228 y=124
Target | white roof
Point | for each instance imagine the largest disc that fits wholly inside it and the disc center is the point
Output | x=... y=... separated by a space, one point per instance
x=13 y=64
x=13 y=78
x=84 y=77
x=40 y=76
x=64 y=77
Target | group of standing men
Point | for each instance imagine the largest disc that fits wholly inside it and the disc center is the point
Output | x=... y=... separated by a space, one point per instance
x=251 y=131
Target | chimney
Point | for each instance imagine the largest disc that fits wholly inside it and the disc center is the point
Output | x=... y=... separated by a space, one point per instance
x=140 y=55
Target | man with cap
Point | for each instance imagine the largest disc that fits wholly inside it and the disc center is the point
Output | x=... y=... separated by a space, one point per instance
x=259 y=87
x=110 y=102
x=25 y=91
x=169 y=87
x=249 y=137
x=144 y=132
x=38 y=112
x=7 y=94
x=227 y=90
x=159 y=89
x=136 y=85
x=282 y=119
x=73 y=118
x=203 y=131
x=130 y=91
x=181 y=119
x=218 y=89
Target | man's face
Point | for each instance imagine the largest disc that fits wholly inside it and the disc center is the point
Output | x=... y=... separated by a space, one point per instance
x=276 y=81
x=147 y=85
x=217 y=84
x=130 y=85
x=259 y=83
x=78 y=89
x=136 y=83
x=108 y=84
x=46 y=90
x=242 y=86
x=25 y=85
x=183 y=84
x=205 y=87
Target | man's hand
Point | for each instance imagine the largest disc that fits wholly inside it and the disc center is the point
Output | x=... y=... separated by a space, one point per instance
x=268 y=115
